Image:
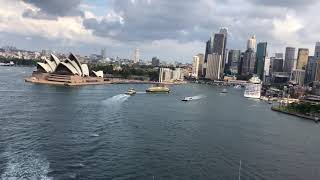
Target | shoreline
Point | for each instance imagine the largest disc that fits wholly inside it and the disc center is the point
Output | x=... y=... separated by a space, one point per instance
x=315 y=119
x=118 y=81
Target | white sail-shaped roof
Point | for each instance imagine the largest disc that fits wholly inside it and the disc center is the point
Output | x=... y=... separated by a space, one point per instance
x=45 y=67
x=55 y=59
x=51 y=64
x=98 y=73
x=69 y=67
x=75 y=65
x=85 y=69
x=74 y=58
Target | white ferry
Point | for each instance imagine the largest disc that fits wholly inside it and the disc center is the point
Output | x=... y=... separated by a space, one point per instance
x=253 y=88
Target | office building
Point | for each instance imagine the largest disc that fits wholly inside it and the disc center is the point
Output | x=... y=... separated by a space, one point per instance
x=201 y=64
x=219 y=46
x=248 y=62
x=155 y=62
x=214 y=67
x=252 y=43
x=317 y=51
x=278 y=55
x=209 y=48
x=289 y=59
x=261 y=55
x=298 y=77
x=311 y=70
x=224 y=30
x=234 y=61
x=277 y=65
x=303 y=55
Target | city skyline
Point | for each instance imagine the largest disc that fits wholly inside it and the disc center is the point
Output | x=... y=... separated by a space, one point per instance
x=85 y=27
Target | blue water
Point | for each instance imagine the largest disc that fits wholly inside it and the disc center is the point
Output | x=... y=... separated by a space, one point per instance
x=97 y=132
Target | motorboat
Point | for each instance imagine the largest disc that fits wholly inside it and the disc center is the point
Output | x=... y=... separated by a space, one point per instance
x=130 y=92
x=224 y=91
x=237 y=86
x=158 y=89
x=187 y=99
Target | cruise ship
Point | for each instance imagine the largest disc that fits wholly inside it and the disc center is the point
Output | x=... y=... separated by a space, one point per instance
x=253 y=88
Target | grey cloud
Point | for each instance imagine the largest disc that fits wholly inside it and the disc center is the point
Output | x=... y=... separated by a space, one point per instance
x=29 y=13
x=54 y=8
x=184 y=20
x=286 y=3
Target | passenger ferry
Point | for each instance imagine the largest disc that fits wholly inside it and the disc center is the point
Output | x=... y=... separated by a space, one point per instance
x=253 y=88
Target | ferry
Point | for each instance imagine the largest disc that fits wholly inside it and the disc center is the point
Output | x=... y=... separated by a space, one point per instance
x=130 y=92
x=158 y=89
x=253 y=88
x=11 y=63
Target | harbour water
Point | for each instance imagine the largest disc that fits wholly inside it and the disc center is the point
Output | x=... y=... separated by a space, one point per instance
x=96 y=132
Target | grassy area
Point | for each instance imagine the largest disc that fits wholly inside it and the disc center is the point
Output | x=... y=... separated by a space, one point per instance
x=301 y=108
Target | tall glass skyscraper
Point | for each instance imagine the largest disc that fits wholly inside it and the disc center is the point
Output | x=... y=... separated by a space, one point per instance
x=261 y=56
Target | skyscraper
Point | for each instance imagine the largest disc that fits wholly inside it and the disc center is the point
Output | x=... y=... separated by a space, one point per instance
x=252 y=43
x=277 y=65
x=289 y=59
x=311 y=70
x=214 y=67
x=317 y=51
x=155 y=62
x=261 y=55
x=201 y=64
x=278 y=55
x=209 y=48
x=248 y=62
x=224 y=30
x=219 y=47
x=303 y=55
x=136 y=56
x=234 y=61
x=103 y=53
x=195 y=66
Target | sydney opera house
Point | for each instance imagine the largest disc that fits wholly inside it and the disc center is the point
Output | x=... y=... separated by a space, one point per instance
x=67 y=72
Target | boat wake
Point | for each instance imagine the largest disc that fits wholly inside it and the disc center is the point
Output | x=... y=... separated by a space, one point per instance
x=116 y=100
x=26 y=165
x=197 y=97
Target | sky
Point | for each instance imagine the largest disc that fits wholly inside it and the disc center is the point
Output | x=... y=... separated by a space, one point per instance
x=173 y=30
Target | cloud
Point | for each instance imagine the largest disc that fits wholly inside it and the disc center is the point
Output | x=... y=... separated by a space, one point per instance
x=53 y=8
x=286 y=3
x=160 y=28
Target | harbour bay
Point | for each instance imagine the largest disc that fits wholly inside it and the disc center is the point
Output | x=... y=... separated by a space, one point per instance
x=97 y=132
